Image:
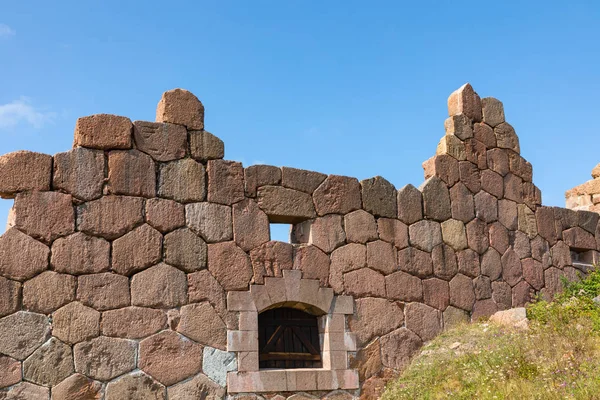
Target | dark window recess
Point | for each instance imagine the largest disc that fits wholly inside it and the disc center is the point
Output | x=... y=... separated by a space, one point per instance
x=288 y=338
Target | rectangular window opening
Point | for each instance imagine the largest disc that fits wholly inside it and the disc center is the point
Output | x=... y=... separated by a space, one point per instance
x=281 y=232
x=5 y=206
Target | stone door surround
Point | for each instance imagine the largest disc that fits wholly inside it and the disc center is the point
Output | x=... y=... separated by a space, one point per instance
x=304 y=294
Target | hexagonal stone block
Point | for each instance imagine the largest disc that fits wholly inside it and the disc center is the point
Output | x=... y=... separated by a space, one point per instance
x=492 y=183
x=49 y=364
x=182 y=180
x=325 y=232
x=470 y=176
x=493 y=111
x=230 y=265
x=491 y=264
x=203 y=286
x=105 y=358
x=133 y=322
x=367 y=322
x=75 y=387
x=382 y=257
x=313 y=263
x=533 y=272
x=477 y=236
x=225 y=181
x=209 y=220
x=163 y=142
x=136 y=250
x=454 y=234
x=135 y=386
x=104 y=291
x=181 y=107
x=415 y=262
x=392 y=231
x=521 y=244
x=483 y=309
x=436 y=199
x=185 y=250
x=468 y=263
x=522 y=294
x=205 y=146
x=486 y=207
x=11 y=371
x=44 y=215
x=463 y=203
x=161 y=286
x=200 y=322
x=48 y=292
x=199 y=387
x=410 y=204
x=465 y=100
x=483 y=287
x=79 y=254
x=75 y=323
x=501 y=294
x=444 y=262
x=423 y=320
x=436 y=293
x=364 y=282
x=444 y=167
x=23 y=332
x=24 y=170
x=27 y=391
x=379 y=197
x=462 y=294
x=506 y=137
x=425 y=235
x=131 y=173
x=337 y=195
x=270 y=259
x=404 y=287
x=398 y=347
x=499 y=238
x=250 y=225
x=79 y=172
x=110 y=216
x=164 y=215
x=512 y=271
x=169 y=357
x=10 y=296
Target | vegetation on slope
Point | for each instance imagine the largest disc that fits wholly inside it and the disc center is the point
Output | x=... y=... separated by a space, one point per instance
x=558 y=357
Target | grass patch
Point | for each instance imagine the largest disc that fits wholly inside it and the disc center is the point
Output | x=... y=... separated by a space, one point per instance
x=557 y=358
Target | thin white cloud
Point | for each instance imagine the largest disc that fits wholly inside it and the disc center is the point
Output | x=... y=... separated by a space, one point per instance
x=6 y=30
x=22 y=111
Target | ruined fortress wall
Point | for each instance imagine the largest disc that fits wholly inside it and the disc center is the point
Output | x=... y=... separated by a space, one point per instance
x=135 y=265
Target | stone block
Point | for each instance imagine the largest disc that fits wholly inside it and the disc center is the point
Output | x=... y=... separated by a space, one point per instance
x=325 y=232
x=425 y=235
x=546 y=224
x=270 y=259
x=136 y=250
x=410 y=204
x=242 y=340
x=367 y=360
x=216 y=363
x=337 y=195
x=211 y=221
x=486 y=207
x=492 y=183
x=49 y=364
x=230 y=265
x=250 y=225
x=164 y=215
x=491 y=264
x=105 y=358
x=483 y=309
x=454 y=234
x=462 y=293
x=79 y=254
x=79 y=172
x=512 y=270
x=520 y=166
x=476 y=153
x=131 y=173
x=313 y=263
x=302 y=180
x=284 y=205
x=104 y=291
x=444 y=261
x=508 y=214
x=23 y=171
x=477 y=236
x=199 y=387
x=161 y=286
x=499 y=237
x=367 y=322
x=468 y=263
x=382 y=257
x=521 y=294
x=11 y=371
x=133 y=322
x=465 y=101
x=533 y=272
x=415 y=262
x=343 y=305
x=483 y=287
x=444 y=167
x=436 y=293
x=345 y=259
x=110 y=216
x=181 y=107
x=44 y=215
x=423 y=320
x=470 y=176
x=379 y=197
x=10 y=296
x=521 y=244
x=454 y=317
x=493 y=111
x=225 y=181
x=182 y=180
x=390 y=230
x=579 y=238
x=77 y=387
x=185 y=250
x=135 y=386
x=103 y=131
x=256 y=176
x=201 y=323
x=205 y=146
x=561 y=255
x=240 y=301
x=364 y=282
x=452 y=146
x=360 y=227
x=163 y=142
x=497 y=160
x=436 y=199
x=506 y=138
x=48 y=292
x=484 y=133
x=26 y=390
x=463 y=204
x=460 y=126
x=22 y=333
x=513 y=188
x=398 y=348
x=526 y=221
x=553 y=283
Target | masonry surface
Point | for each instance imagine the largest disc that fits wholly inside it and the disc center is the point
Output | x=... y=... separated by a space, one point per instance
x=134 y=265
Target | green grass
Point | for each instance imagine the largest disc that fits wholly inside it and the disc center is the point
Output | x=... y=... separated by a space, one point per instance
x=558 y=357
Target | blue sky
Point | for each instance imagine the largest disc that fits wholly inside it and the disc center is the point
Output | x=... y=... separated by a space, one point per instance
x=341 y=87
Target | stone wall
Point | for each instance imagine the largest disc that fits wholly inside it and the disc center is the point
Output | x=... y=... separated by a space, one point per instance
x=134 y=265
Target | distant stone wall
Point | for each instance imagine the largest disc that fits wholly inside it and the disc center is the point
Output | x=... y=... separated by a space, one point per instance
x=136 y=264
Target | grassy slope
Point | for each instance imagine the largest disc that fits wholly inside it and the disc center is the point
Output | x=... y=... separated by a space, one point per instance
x=557 y=358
